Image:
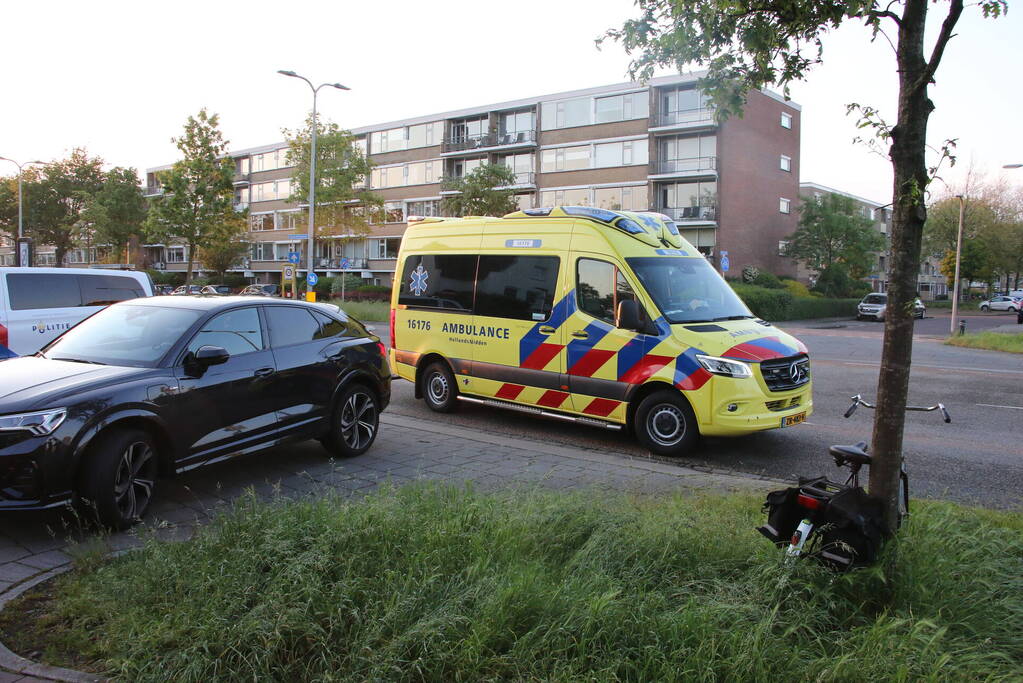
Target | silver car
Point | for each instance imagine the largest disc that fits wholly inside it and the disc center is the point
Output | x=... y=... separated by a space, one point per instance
x=874 y=305
x=1001 y=303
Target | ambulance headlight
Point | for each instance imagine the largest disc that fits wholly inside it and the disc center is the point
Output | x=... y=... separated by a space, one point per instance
x=726 y=367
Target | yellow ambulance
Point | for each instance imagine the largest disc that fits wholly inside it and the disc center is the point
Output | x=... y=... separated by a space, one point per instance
x=606 y=318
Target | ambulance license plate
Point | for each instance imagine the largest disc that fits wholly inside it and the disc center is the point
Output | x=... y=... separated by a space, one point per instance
x=793 y=419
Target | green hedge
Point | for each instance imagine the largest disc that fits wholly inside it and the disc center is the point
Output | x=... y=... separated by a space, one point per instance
x=779 y=304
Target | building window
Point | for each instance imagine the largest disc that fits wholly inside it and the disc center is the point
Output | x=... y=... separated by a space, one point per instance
x=420 y=173
x=693 y=153
x=386 y=248
x=620 y=154
x=287 y=220
x=175 y=254
x=786 y=120
x=393 y=212
x=260 y=222
x=689 y=201
x=515 y=122
x=262 y=251
x=784 y=205
x=782 y=246
x=521 y=165
x=577 y=197
x=621 y=198
x=622 y=107
x=786 y=163
x=427 y=207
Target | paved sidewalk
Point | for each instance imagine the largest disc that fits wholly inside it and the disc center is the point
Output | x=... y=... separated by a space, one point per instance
x=407 y=450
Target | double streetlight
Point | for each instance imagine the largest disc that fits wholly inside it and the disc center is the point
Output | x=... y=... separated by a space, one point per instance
x=312 y=167
x=21 y=229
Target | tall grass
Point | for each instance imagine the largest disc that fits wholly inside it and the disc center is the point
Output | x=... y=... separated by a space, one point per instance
x=443 y=584
x=994 y=341
x=368 y=311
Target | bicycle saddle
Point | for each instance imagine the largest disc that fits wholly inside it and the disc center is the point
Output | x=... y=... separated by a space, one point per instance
x=856 y=454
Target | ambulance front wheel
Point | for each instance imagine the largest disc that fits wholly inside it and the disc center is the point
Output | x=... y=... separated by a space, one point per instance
x=438 y=387
x=665 y=424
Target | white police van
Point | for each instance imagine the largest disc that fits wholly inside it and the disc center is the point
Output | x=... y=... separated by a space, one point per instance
x=38 y=304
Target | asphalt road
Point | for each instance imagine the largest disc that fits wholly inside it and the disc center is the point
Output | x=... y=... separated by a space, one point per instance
x=976 y=459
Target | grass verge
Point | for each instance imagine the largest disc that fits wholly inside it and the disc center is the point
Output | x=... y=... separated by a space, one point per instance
x=365 y=310
x=436 y=583
x=995 y=341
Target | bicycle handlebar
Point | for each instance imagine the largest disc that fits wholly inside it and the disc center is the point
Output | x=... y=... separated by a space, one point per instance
x=857 y=401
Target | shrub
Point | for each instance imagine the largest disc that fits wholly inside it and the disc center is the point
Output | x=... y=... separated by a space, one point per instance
x=780 y=304
x=769 y=304
x=768 y=280
x=795 y=288
x=806 y=308
x=749 y=274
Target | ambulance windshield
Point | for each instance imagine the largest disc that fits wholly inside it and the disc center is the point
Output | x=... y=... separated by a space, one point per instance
x=688 y=290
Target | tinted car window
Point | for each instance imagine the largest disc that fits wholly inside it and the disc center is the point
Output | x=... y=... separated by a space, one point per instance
x=236 y=331
x=517 y=287
x=328 y=326
x=442 y=281
x=875 y=299
x=291 y=325
x=102 y=290
x=43 y=290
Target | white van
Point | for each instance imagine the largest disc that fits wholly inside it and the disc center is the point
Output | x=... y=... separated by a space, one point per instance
x=37 y=304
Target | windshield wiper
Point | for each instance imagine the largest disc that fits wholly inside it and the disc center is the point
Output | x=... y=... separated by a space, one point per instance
x=731 y=317
x=79 y=360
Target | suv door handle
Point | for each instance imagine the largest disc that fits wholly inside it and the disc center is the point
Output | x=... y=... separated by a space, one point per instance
x=263 y=372
x=547 y=329
x=581 y=334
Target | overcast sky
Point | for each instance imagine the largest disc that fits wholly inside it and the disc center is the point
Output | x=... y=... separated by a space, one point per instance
x=120 y=78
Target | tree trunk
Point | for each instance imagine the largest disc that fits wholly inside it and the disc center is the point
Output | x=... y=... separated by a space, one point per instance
x=59 y=252
x=909 y=138
x=188 y=267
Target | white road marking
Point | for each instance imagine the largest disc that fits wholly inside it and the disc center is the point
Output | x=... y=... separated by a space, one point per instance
x=992 y=405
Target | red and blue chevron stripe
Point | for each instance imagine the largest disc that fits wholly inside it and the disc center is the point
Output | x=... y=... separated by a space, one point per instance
x=534 y=351
x=765 y=348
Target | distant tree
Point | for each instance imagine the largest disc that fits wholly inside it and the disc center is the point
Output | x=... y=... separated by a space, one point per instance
x=344 y=204
x=198 y=192
x=227 y=252
x=747 y=45
x=482 y=192
x=833 y=232
x=9 y=205
x=974 y=263
x=59 y=198
x=117 y=212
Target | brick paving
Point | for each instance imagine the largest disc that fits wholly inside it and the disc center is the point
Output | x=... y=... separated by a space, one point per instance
x=407 y=450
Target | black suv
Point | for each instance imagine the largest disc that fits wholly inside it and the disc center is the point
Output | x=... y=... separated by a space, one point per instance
x=162 y=385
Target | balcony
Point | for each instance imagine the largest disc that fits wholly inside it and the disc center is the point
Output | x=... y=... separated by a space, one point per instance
x=335 y=264
x=681 y=120
x=523 y=179
x=241 y=206
x=241 y=179
x=472 y=143
x=684 y=168
x=154 y=190
x=690 y=214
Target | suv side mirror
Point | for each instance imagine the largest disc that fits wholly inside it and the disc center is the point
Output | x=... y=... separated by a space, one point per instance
x=197 y=363
x=632 y=316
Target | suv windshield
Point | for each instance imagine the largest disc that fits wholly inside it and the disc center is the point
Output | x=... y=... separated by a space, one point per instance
x=875 y=299
x=135 y=336
x=688 y=290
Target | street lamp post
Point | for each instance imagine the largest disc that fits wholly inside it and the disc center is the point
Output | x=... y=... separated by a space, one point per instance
x=959 y=251
x=312 y=167
x=21 y=228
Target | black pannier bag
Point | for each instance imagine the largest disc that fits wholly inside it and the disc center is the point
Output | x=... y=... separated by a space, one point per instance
x=783 y=515
x=852 y=529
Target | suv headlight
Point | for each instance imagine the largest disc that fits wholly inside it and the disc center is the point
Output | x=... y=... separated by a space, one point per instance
x=726 y=367
x=42 y=423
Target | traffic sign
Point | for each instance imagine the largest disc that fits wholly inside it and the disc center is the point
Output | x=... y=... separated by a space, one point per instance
x=300 y=236
x=344 y=264
x=311 y=279
x=294 y=257
x=289 y=272
x=724 y=262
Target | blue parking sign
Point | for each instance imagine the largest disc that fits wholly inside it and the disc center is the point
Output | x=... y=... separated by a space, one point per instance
x=312 y=279
x=294 y=257
x=724 y=262
x=344 y=264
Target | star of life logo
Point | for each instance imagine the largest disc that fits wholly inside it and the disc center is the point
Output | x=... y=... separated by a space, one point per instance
x=418 y=280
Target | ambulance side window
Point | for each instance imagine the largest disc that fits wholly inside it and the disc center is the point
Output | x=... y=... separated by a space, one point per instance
x=517 y=287
x=443 y=281
x=599 y=288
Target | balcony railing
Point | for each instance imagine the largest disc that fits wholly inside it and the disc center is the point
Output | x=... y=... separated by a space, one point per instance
x=685 y=214
x=153 y=190
x=335 y=263
x=524 y=178
x=684 y=117
x=691 y=166
x=462 y=143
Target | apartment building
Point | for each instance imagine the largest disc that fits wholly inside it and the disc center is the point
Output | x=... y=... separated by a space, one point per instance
x=732 y=186
x=931 y=283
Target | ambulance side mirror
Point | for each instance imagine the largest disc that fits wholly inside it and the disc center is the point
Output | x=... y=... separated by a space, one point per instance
x=632 y=317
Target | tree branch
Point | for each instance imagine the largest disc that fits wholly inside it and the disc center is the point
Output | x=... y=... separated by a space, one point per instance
x=954 y=11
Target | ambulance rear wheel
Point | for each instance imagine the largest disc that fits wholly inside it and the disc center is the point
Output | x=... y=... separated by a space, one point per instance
x=439 y=389
x=665 y=424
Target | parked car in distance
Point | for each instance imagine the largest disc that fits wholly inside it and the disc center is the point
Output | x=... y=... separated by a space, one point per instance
x=1001 y=303
x=158 y=386
x=216 y=290
x=262 y=290
x=185 y=290
x=38 y=304
x=874 y=305
x=163 y=290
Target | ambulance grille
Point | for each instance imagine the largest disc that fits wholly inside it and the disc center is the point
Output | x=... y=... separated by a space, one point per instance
x=784 y=404
x=783 y=374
